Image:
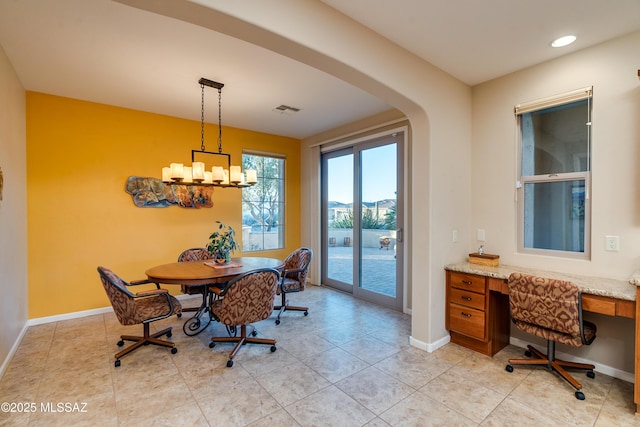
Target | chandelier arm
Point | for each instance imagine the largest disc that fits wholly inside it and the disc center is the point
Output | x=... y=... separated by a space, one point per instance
x=219 y=120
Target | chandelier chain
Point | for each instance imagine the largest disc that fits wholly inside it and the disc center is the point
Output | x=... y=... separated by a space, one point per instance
x=219 y=120
x=202 y=148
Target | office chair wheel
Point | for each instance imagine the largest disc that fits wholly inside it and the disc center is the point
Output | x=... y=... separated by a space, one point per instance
x=579 y=395
x=212 y=344
x=120 y=343
x=273 y=348
x=254 y=333
x=229 y=363
x=277 y=321
x=174 y=350
x=508 y=368
x=528 y=353
x=591 y=374
x=117 y=363
x=179 y=315
x=169 y=334
x=306 y=313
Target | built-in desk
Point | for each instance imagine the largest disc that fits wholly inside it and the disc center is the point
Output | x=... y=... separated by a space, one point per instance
x=477 y=314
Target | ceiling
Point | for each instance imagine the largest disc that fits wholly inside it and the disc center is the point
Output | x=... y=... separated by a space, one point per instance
x=107 y=52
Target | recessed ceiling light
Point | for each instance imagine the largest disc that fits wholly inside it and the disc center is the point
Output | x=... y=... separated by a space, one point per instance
x=563 y=41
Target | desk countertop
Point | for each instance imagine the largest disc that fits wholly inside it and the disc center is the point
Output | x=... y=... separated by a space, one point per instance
x=621 y=289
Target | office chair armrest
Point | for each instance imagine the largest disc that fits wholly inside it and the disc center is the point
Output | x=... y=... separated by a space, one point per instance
x=285 y=273
x=152 y=292
x=144 y=282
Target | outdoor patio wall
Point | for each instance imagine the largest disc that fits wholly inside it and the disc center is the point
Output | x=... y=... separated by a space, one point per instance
x=612 y=70
x=79 y=156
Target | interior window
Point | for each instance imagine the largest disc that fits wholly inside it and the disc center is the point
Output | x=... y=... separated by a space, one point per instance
x=555 y=169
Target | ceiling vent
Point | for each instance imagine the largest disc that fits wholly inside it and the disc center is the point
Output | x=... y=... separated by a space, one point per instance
x=285 y=109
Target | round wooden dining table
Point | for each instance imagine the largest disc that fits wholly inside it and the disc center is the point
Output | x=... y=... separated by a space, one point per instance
x=205 y=272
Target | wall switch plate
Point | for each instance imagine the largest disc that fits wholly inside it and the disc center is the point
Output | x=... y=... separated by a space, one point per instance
x=480 y=235
x=612 y=243
x=454 y=236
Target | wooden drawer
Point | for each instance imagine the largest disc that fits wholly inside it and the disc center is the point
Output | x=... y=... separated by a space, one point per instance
x=468 y=282
x=467 y=321
x=468 y=299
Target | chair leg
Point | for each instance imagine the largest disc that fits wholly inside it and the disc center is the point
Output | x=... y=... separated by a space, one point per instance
x=146 y=339
x=242 y=340
x=284 y=306
x=549 y=360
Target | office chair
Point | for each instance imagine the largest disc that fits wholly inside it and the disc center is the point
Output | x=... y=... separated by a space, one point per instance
x=195 y=325
x=551 y=309
x=294 y=274
x=143 y=307
x=246 y=299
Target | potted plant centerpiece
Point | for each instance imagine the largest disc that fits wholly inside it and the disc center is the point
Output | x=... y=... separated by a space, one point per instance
x=222 y=243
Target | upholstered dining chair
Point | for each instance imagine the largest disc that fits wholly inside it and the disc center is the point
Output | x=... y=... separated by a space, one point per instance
x=142 y=307
x=246 y=299
x=193 y=254
x=550 y=309
x=294 y=272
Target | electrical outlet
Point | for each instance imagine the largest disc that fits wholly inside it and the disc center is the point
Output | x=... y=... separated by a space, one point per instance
x=454 y=236
x=480 y=235
x=612 y=243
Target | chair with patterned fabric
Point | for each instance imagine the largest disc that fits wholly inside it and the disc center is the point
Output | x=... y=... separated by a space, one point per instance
x=550 y=309
x=294 y=274
x=193 y=254
x=142 y=307
x=247 y=298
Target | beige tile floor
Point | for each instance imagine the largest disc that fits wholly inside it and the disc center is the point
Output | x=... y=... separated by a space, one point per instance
x=347 y=364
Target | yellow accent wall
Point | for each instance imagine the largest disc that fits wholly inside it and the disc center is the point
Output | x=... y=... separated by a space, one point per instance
x=79 y=156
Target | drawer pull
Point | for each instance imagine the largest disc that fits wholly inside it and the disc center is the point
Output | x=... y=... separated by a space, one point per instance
x=465 y=298
x=467 y=282
x=465 y=314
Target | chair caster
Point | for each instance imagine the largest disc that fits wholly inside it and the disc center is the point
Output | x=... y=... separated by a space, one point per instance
x=169 y=334
x=273 y=348
x=528 y=353
x=306 y=313
x=212 y=344
x=229 y=363
x=179 y=315
x=117 y=363
x=591 y=374
x=254 y=333
x=120 y=343
x=277 y=321
x=174 y=350
x=579 y=395
x=508 y=368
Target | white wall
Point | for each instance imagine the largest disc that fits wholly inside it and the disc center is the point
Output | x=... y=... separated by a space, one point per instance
x=612 y=70
x=13 y=211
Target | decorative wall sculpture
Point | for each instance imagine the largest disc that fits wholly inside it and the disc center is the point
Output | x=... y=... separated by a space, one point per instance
x=153 y=193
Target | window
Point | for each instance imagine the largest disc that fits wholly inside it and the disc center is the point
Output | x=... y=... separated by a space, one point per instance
x=263 y=204
x=555 y=171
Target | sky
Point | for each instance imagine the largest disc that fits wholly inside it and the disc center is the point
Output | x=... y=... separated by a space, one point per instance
x=378 y=175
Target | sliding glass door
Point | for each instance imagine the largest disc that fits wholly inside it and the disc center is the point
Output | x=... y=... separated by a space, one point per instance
x=362 y=220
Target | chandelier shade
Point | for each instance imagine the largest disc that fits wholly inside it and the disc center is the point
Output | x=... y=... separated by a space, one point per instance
x=223 y=173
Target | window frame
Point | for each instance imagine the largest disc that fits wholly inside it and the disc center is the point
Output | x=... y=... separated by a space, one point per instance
x=523 y=180
x=281 y=202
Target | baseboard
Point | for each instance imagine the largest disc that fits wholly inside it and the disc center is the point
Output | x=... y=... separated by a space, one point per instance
x=429 y=347
x=605 y=369
x=13 y=350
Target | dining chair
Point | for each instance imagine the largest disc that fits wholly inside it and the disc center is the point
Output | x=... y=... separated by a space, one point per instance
x=293 y=272
x=245 y=299
x=193 y=254
x=142 y=307
x=550 y=309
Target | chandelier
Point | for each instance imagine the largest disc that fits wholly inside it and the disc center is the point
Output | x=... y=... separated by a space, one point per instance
x=218 y=175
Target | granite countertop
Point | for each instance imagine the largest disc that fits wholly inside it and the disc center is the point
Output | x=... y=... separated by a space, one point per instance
x=621 y=289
